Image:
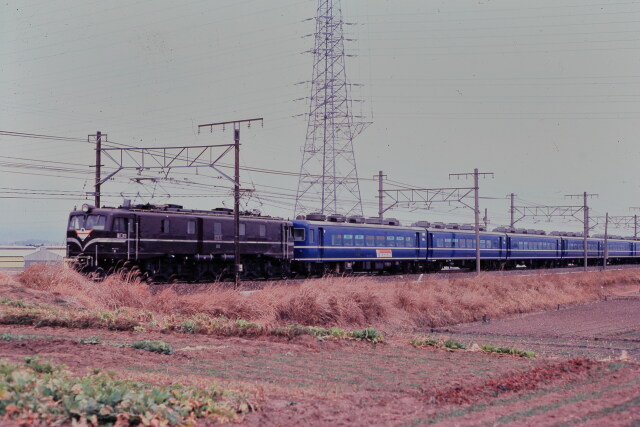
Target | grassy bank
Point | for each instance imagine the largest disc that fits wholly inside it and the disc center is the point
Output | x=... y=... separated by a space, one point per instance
x=343 y=302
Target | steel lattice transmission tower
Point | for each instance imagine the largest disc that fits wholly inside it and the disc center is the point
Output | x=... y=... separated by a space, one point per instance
x=328 y=181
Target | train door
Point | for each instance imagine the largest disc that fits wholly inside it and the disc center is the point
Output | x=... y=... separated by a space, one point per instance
x=199 y=235
x=417 y=245
x=321 y=243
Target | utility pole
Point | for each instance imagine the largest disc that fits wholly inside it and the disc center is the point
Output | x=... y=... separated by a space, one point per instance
x=512 y=211
x=98 y=181
x=606 y=243
x=635 y=223
x=486 y=219
x=236 y=189
x=476 y=196
x=380 y=194
x=585 y=222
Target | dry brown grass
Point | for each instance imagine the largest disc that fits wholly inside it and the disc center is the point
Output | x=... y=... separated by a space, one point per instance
x=344 y=301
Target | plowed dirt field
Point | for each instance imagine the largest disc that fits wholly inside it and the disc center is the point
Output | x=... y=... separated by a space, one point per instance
x=587 y=370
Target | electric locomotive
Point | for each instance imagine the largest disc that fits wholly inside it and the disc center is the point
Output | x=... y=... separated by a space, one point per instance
x=167 y=242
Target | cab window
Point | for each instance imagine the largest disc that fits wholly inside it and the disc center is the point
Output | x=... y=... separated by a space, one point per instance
x=119 y=225
x=76 y=222
x=191 y=227
x=95 y=222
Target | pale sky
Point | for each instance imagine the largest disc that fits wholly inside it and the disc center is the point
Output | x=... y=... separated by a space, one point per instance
x=545 y=94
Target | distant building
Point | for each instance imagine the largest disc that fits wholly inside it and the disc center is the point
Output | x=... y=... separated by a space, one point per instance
x=19 y=257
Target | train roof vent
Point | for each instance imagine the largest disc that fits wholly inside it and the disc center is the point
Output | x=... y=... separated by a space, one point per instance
x=226 y=211
x=316 y=216
x=425 y=224
x=373 y=220
x=555 y=233
x=578 y=235
x=482 y=228
x=501 y=229
x=169 y=207
x=336 y=218
x=531 y=231
x=599 y=236
x=390 y=221
x=541 y=232
x=521 y=231
x=452 y=226
x=437 y=224
x=356 y=219
x=466 y=227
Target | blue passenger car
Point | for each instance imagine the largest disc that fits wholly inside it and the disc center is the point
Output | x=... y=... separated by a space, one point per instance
x=323 y=246
x=457 y=247
x=534 y=250
x=573 y=249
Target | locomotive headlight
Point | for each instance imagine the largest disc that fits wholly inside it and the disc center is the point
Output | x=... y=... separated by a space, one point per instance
x=86 y=208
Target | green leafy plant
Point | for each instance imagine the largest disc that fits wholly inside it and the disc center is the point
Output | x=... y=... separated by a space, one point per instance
x=508 y=350
x=369 y=334
x=425 y=342
x=43 y=368
x=36 y=396
x=454 y=345
x=12 y=303
x=190 y=326
x=139 y=329
x=241 y=323
x=153 y=346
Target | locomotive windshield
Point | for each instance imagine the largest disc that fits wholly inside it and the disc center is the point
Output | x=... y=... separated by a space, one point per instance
x=95 y=222
x=90 y=222
x=76 y=222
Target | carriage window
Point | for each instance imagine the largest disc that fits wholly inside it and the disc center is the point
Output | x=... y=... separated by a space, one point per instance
x=359 y=240
x=348 y=239
x=243 y=229
x=399 y=241
x=165 y=226
x=95 y=222
x=262 y=230
x=440 y=243
x=391 y=241
x=370 y=240
x=462 y=243
x=217 y=231
x=408 y=241
x=336 y=240
x=494 y=244
x=76 y=222
x=447 y=243
x=119 y=225
x=191 y=227
x=380 y=241
x=298 y=234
